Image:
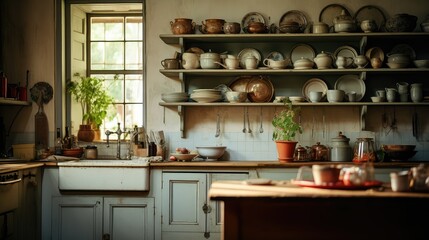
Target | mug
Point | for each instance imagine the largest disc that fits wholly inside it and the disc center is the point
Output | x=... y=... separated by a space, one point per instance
x=170 y=63
x=351 y=96
x=322 y=174
x=251 y=63
x=190 y=60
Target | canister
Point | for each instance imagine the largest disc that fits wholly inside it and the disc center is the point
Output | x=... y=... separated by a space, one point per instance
x=341 y=150
x=91 y=152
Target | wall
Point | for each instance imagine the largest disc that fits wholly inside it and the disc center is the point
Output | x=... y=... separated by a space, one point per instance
x=32 y=47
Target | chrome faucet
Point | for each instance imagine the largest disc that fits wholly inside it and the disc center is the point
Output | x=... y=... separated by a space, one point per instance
x=119 y=133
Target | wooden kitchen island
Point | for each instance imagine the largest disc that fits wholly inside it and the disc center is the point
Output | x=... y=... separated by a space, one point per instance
x=286 y=211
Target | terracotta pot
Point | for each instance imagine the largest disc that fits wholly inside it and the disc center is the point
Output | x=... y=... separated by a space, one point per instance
x=285 y=150
x=182 y=26
x=85 y=133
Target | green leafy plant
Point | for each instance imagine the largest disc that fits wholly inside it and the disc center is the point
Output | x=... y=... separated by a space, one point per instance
x=285 y=125
x=91 y=94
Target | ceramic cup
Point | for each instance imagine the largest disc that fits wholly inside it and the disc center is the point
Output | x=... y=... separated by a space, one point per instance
x=381 y=93
x=335 y=95
x=376 y=99
x=170 y=63
x=231 y=28
x=351 y=96
x=322 y=174
x=400 y=181
x=251 y=63
x=315 y=96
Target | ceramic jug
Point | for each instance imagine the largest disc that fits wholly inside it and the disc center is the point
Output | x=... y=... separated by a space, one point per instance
x=402 y=87
x=190 y=60
x=251 y=62
x=182 y=26
x=361 y=61
x=391 y=94
x=416 y=92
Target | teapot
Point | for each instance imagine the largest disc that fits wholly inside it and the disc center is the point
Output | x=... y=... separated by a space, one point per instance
x=319 y=152
x=208 y=60
x=323 y=60
x=344 y=23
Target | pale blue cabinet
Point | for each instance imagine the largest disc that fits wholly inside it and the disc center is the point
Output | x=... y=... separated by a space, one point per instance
x=186 y=211
x=97 y=217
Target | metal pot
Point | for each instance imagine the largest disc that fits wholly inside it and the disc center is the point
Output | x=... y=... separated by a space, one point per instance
x=319 y=152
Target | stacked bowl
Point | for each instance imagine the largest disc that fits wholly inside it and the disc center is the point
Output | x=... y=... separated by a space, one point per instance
x=398 y=152
x=398 y=60
x=206 y=95
x=175 y=97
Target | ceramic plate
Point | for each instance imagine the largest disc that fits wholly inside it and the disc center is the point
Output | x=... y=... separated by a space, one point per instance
x=404 y=49
x=375 y=52
x=260 y=89
x=248 y=52
x=346 y=51
x=370 y=12
x=252 y=17
x=349 y=83
x=240 y=83
x=314 y=84
x=295 y=16
x=43 y=90
x=328 y=13
x=276 y=56
x=302 y=50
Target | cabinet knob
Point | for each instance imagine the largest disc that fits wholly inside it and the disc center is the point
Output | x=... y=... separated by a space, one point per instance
x=206 y=208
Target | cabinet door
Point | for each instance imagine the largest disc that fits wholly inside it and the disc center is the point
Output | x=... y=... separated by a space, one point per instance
x=29 y=204
x=77 y=217
x=128 y=218
x=215 y=222
x=183 y=198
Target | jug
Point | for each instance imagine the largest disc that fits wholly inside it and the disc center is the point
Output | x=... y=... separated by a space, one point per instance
x=402 y=87
x=323 y=60
x=190 y=60
x=416 y=92
x=364 y=150
x=391 y=94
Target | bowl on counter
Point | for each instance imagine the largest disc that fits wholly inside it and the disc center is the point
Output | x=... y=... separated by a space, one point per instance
x=211 y=153
x=184 y=157
x=398 y=147
x=73 y=152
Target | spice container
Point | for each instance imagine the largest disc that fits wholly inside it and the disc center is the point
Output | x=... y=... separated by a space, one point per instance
x=91 y=152
x=364 y=150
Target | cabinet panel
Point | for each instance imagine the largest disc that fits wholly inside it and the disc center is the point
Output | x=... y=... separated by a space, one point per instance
x=183 y=198
x=77 y=217
x=128 y=218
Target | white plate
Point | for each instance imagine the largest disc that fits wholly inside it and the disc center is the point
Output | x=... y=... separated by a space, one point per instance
x=349 y=83
x=314 y=84
x=248 y=52
x=302 y=50
x=346 y=51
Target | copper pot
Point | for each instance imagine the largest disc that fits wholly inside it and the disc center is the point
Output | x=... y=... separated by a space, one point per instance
x=256 y=27
x=319 y=152
x=182 y=26
x=213 y=26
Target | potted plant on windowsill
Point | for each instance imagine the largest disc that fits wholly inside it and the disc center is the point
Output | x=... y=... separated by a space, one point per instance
x=94 y=100
x=286 y=127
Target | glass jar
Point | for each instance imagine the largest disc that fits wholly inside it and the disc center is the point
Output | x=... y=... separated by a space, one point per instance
x=364 y=150
x=91 y=152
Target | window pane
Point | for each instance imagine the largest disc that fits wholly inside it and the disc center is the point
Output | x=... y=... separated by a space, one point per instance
x=133 y=115
x=112 y=123
x=114 y=86
x=134 y=29
x=133 y=55
x=107 y=56
x=133 y=89
x=107 y=28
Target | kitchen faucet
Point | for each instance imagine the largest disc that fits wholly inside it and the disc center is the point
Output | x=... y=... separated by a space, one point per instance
x=119 y=133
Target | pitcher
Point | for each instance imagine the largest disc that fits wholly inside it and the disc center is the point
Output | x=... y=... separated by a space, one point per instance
x=402 y=87
x=416 y=92
x=391 y=94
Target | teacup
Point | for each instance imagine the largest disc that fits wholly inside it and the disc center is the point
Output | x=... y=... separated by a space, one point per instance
x=335 y=95
x=170 y=63
x=376 y=99
x=351 y=96
x=276 y=64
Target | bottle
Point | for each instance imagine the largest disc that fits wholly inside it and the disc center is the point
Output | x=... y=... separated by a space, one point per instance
x=67 y=141
x=58 y=143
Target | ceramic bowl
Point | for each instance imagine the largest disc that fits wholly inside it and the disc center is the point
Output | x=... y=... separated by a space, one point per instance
x=376 y=99
x=233 y=96
x=335 y=95
x=397 y=65
x=421 y=63
x=303 y=63
x=296 y=99
x=184 y=157
x=399 y=58
x=211 y=152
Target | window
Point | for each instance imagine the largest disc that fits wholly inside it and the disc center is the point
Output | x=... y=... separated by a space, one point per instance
x=115 y=49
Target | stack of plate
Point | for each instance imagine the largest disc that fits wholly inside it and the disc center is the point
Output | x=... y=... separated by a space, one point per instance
x=206 y=95
x=175 y=97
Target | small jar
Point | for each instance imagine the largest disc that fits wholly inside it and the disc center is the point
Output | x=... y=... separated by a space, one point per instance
x=91 y=152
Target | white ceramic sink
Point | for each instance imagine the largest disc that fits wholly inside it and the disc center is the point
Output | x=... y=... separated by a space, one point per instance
x=107 y=175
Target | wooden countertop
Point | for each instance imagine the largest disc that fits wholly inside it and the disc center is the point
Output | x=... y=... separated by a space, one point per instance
x=8 y=167
x=221 y=190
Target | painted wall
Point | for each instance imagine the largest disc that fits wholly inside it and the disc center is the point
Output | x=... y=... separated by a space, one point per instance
x=29 y=44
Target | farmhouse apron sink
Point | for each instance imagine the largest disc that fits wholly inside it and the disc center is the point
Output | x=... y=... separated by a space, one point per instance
x=104 y=175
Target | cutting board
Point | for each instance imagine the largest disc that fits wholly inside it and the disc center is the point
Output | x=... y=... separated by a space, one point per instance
x=41 y=129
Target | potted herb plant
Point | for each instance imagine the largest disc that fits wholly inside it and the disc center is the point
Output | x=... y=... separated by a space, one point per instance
x=286 y=127
x=94 y=100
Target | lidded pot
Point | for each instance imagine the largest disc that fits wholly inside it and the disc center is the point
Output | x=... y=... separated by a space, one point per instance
x=341 y=150
x=323 y=60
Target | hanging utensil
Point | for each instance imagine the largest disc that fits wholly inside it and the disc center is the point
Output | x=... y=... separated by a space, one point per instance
x=244 y=120
x=248 y=121
x=261 y=129
x=217 y=126
x=415 y=124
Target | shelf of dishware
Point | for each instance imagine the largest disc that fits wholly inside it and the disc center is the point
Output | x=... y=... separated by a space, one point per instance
x=272 y=104
x=235 y=72
x=281 y=37
x=7 y=101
